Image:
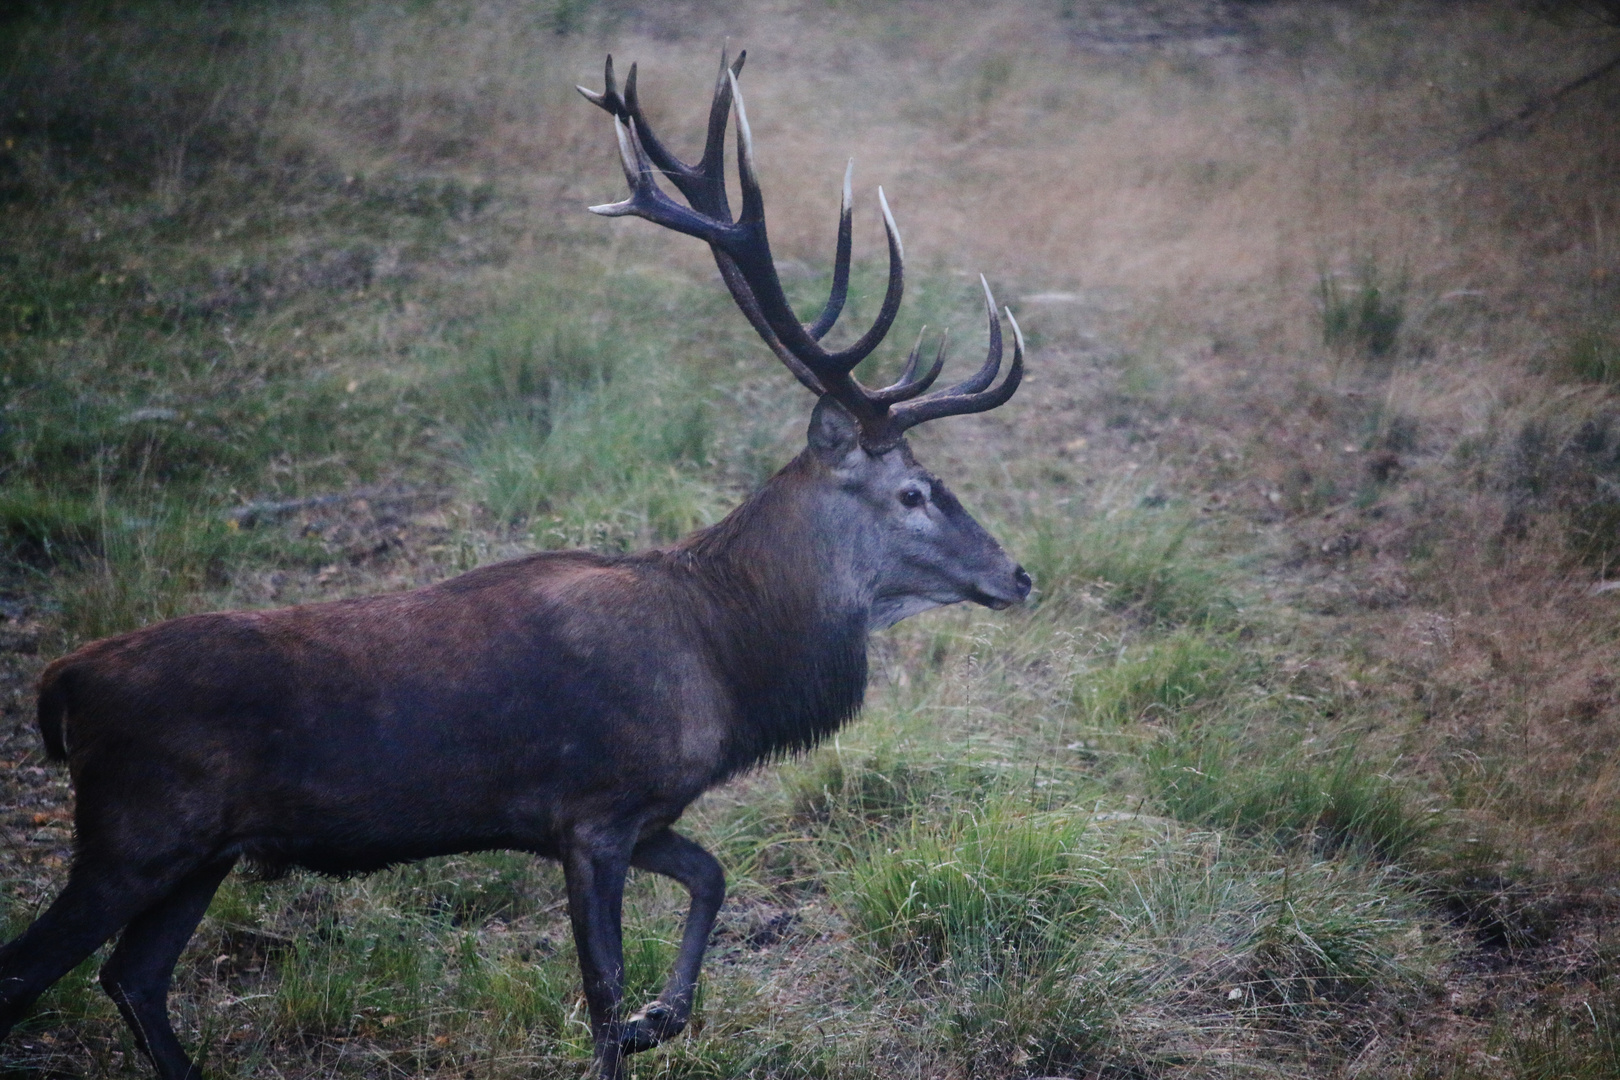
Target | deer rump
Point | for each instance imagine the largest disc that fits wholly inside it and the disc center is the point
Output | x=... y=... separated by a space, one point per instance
x=566 y=704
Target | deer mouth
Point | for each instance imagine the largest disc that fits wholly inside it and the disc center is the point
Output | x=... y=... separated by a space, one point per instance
x=1000 y=601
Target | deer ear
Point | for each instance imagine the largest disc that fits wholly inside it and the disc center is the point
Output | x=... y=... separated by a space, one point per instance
x=833 y=432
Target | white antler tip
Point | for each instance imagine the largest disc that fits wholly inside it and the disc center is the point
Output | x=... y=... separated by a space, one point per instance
x=1018 y=335
x=849 y=177
x=888 y=223
x=745 y=134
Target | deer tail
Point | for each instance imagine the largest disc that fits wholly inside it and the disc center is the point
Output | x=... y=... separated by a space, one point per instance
x=53 y=707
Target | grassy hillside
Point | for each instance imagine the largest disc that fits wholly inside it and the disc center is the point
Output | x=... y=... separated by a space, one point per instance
x=1303 y=762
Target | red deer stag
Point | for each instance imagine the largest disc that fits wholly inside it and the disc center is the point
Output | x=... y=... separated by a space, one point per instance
x=568 y=704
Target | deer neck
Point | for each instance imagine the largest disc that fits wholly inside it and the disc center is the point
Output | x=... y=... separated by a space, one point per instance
x=789 y=611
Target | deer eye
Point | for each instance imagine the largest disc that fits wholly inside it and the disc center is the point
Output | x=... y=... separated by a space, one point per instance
x=912 y=498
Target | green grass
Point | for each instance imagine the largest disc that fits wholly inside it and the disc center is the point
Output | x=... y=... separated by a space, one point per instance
x=990 y=882
x=1334 y=798
x=1592 y=357
x=617 y=467
x=1164 y=679
x=1578 y=1043
x=1143 y=560
x=1365 y=316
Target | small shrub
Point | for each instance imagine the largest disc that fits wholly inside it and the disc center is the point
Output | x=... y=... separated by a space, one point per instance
x=1592 y=357
x=1364 y=318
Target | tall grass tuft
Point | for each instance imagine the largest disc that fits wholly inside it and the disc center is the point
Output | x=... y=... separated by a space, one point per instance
x=1364 y=317
x=1579 y=1041
x=1333 y=800
x=1593 y=356
x=152 y=560
x=1143 y=560
x=1016 y=1014
x=882 y=785
x=1328 y=938
x=1163 y=679
x=993 y=883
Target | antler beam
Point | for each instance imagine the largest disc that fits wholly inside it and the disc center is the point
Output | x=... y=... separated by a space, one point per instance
x=742 y=252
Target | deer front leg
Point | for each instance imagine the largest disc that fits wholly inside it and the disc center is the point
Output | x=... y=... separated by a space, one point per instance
x=595 y=870
x=673 y=855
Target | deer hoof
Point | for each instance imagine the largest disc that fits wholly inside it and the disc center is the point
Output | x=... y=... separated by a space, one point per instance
x=649 y=1027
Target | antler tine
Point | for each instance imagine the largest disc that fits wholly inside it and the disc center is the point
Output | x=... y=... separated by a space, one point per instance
x=703 y=184
x=712 y=164
x=753 y=207
x=905 y=388
x=950 y=403
x=753 y=257
x=909 y=372
x=891 y=297
x=609 y=97
x=986 y=374
x=648 y=200
x=840 y=284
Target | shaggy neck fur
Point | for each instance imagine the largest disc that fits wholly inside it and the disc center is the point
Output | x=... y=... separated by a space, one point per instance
x=789 y=614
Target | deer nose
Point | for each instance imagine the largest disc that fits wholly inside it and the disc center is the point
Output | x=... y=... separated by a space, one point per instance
x=1022 y=580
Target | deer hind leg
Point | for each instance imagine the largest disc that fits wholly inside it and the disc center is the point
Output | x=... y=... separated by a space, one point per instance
x=102 y=894
x=137 y=975
x=595 y=868
x=673 y=855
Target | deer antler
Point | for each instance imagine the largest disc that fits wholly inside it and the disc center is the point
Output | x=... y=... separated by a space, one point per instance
x=742 y=251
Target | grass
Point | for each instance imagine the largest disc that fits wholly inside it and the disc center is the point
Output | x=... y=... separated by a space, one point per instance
x=1137 y=559
x=1593 y=356
x=1365 y=317
x=988 y=886
x=1300 y=764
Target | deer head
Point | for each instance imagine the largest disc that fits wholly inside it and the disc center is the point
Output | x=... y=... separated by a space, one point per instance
x=910 y=537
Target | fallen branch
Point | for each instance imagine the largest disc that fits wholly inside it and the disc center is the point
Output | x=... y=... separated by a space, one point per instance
x=1538 y=104
x=254 y=513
